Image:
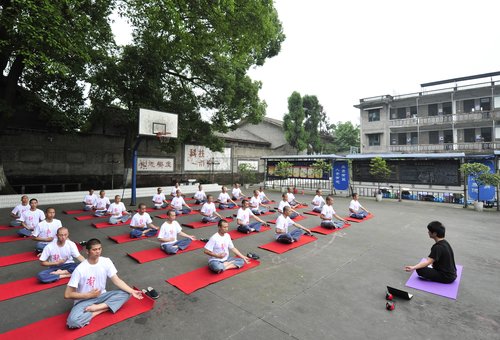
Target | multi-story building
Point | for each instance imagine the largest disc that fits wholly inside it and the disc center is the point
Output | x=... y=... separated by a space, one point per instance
x=460 y=114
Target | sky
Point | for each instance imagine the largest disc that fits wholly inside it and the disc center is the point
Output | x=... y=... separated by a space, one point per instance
x=342 y=51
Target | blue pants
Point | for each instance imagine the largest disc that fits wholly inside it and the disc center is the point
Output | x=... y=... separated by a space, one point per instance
x=218 y=266
x=87 y=207
x=317 y=209
x=45 y=276
x=359 y=215
x=247 y=228
x=24 y=232
x=78 y=317
x=100 y=213
x=137 y=233
x=259 y=211
x=293 y=215
x=180 y=245
x=15 y=223
x=332 y=224
x=184 y=211
x=164 y=205
x=223 y=206
x=116 y=220
x=288 y=237
x=210 y=219
x=200 y=201
x=40 y=245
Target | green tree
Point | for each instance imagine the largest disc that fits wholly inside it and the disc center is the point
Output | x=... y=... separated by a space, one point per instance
x=379 y=170
x=346 y=135
x=313 y=115
x=480 y=175
x=293 y=123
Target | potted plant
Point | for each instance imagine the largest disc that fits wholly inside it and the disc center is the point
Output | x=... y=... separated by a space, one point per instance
x=480 y=175
x=320 y=167
x=381 y=171
x=283 y=170
x=247 y=173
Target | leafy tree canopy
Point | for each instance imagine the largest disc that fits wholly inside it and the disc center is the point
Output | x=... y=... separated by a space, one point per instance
x=293 y=123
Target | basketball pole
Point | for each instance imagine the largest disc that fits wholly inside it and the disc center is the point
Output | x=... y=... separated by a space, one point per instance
x=134 y=171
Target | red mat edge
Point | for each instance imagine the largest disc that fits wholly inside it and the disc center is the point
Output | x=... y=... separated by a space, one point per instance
x=288 y=246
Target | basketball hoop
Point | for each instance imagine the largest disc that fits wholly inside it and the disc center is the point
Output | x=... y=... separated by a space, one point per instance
x=163 y=137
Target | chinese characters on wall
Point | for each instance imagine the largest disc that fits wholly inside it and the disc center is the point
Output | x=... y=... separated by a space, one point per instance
x=340 y=175
x=147 y=164
x=200 y=158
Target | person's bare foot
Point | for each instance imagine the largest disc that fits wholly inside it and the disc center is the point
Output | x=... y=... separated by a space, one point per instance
x=59 y=272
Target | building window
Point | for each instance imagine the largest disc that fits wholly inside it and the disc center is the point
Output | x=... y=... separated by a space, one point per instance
x=486 y=134
x=432 y=109
x=374 y=115
x=447 y=108
x=413 y=111
x=414 y=138
x=402 y=112
x=373 y=139
x=448 y=136
x=469 y=135
x=468 y=105
x=433 y=137
x=485 y=104
x=401 y=138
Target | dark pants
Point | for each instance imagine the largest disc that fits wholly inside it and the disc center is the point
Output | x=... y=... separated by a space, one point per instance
x=432 y=274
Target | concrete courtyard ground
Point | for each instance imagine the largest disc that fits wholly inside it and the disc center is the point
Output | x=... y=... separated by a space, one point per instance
x=333 y=288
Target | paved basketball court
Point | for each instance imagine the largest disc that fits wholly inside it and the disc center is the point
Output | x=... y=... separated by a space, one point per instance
x=333 y=288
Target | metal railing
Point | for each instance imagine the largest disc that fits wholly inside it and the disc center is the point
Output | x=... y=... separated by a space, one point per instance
x=446 y=147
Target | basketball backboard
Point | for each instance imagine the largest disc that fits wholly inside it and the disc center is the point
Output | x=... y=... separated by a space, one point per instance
x=152 y=123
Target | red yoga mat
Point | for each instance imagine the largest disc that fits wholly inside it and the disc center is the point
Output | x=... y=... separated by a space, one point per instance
x=22 y=287
x=192 y=212
x=264 y=214
x=351 y=219
x=148 y=255
x=202 y=277
x=200 y=224
x=8 y=227
x=314 y=213
x=298 y=218
x=124 y=238
x=235 y=234
x=18 y=258
x=325 y=231
x=12 y=238
x=107 y=224
x=233 y=208
x=73 y=212
x=88 y=217
x=55 y=327
x=280 y=248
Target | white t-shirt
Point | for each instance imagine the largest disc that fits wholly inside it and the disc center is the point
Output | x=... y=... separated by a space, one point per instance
x=244 y=215
x=102 y=203
x=45 y=229
x=282 y=205
x=53 y=252
x=255 y=202
x=290 y=197
x=236 y=192
x=283 y=223
x=219 y=244
x=354 y=205
x=19 y=209
x=116 y=209
x=200 y=195
x=32 y=218
x=223 y=197
x=90 y=200
x=139 y=220
x=158 y=199
x=262 y=195
x=87 y=277
x=177 y=202
x=208 y=209
x=318 y=201
x=169 y=230
x=328 y=211
x=174 y=191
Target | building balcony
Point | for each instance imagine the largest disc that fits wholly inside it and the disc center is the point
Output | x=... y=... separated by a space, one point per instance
x=458 y=118
x=446 y=147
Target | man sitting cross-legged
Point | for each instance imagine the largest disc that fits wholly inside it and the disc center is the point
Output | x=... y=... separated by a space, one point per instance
x=318 y=202
x=292 y=200
x=218 y=247
x=200 y=196
x=262 y=195
x=59 y=257
x=243 y=219
x=168 y=235
x=356 y=210
x=283 y=223
x=30 y=219
x=159 y=199
x=284 y=203
x=87 y=287
x=142 y=224
x=176 y=187
x=179 y=205
x=236 y=192
x=89 y=200
x=256 y=204
x=225 y=202
x=208 y=211
x=102 y=204
x=18 y=211
x=118 y=211
x=327 y=215
x=46 y=230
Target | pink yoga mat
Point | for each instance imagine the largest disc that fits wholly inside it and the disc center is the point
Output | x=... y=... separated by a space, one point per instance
x=73 y=212
x=325 y=231
x=156 y=253
x=55 y=327
x=297 y=219
x=351 y=219
x=280 y=248
x=449 y=290
x=202 y=277
x=22 y=287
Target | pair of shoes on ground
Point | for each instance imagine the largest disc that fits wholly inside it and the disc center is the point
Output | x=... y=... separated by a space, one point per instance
x=253 y=256
x=151 y=292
